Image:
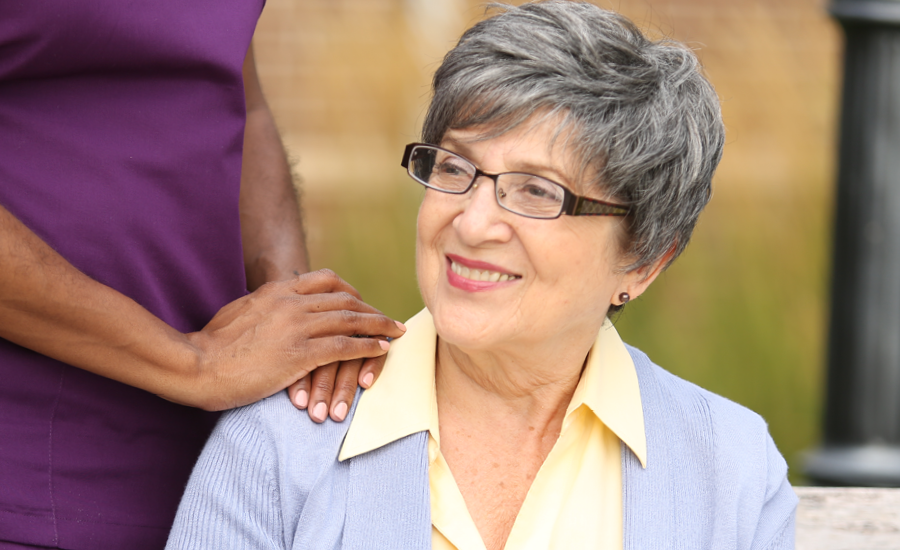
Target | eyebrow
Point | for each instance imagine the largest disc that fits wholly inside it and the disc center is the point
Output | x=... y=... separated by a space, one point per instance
x=540 y=170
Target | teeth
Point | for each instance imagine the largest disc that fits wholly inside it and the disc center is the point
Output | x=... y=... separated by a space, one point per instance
x=479 y=274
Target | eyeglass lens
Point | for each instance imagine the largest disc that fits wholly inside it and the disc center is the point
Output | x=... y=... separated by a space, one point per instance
x=524 y=194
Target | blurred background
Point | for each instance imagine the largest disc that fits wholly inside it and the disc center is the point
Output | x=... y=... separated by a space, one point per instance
x=743 y=312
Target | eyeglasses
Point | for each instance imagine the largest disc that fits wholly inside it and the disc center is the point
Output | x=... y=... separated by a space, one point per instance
x=524 y=194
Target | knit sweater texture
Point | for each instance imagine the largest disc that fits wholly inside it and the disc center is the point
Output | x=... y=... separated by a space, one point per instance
x=269 y=478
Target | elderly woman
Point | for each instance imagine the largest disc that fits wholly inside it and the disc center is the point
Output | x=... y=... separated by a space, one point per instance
x=566 y=158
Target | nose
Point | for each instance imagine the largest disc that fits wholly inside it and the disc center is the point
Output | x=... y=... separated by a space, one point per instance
x=482 y=219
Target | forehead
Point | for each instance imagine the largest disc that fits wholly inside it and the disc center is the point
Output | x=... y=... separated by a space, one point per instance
x=541 y=146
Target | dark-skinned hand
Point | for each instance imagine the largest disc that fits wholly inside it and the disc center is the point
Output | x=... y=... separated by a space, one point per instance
x=276 y=336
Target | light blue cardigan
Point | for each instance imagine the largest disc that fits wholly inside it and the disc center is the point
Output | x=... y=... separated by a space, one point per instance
x=269 y=478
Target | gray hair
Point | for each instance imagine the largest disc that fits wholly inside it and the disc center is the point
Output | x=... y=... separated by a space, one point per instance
x=638 y=114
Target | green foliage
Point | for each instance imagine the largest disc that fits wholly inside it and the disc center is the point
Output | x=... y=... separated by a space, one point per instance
x=370 y=242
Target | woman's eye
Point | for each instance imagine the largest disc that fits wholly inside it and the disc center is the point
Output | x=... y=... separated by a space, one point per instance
x=450 y=169
x=536 y=191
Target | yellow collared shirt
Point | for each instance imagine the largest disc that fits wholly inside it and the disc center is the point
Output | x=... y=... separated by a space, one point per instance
x=575 y=501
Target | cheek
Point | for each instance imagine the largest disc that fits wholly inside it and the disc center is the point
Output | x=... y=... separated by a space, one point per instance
x=422 y=234
x=587 y=263
x=428 y=258
x=428 y=225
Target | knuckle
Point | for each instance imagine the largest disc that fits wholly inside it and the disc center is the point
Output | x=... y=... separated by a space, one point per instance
x=349 y=317
x=344 y=344
x=345 y=299
x=346 y=388
x=268 y=288
x=328 y=274
x=323 y=384
x=347 y=382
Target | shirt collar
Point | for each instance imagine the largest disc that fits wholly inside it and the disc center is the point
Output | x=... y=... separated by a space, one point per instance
x=609 y=388
x=403 y=401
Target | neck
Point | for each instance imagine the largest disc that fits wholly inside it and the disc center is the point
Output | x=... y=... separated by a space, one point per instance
x=529 y=388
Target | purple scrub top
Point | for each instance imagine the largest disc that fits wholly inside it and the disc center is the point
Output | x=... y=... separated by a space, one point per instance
x=121 y=127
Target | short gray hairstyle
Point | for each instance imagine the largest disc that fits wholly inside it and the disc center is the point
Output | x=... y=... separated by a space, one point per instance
x=638 y=114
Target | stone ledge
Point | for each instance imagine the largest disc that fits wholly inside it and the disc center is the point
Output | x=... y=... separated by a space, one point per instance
x=837 y=518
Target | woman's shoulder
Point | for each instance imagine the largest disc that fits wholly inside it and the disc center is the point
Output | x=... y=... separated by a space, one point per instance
x=662 y=389
x=255 y=477
x=276 y=424
x=708 y=426
x=714 y=454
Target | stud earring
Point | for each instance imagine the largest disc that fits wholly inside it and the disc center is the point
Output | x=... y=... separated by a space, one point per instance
x=624 y=298
x=474 y=186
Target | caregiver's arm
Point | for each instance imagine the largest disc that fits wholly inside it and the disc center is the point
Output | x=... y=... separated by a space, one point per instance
x=253 y=347
x=274 y=246
x=271 y=226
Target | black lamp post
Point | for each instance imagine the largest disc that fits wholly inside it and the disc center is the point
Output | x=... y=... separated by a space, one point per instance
x=861 y=444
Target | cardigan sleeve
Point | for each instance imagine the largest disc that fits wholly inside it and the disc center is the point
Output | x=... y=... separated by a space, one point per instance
x=232 y=498
x=775 y=530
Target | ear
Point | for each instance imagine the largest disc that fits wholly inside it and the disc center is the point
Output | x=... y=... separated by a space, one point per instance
x=637 y=281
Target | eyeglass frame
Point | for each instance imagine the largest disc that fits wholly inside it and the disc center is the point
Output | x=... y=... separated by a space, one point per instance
x=573 y=205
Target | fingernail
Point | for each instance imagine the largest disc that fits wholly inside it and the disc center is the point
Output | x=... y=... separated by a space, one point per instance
x=301 y=399
x=400 y=325
x=340 y=411
x=384 y=345
x=368 y=379
x=320 y=410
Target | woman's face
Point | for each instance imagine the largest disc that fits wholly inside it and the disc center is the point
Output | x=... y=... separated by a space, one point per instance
x=557 y=277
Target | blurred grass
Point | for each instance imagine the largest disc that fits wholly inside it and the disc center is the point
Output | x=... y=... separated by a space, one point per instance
x=741 y=313
x=370 y=242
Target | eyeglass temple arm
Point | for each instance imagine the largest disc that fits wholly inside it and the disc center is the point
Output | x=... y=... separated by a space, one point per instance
x=581 y=206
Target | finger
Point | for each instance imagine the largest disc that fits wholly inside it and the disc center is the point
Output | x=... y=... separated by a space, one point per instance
x=322 y=281
x=333 y=301
x=298 y=392
x=352 y=323
x=320 y=393
x=370 y=371
x=325 y=350
x=344 y=389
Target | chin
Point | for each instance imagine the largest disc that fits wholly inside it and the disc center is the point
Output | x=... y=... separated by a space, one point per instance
x=466 y=327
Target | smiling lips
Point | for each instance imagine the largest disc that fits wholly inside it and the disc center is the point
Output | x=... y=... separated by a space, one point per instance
x=476 y=275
